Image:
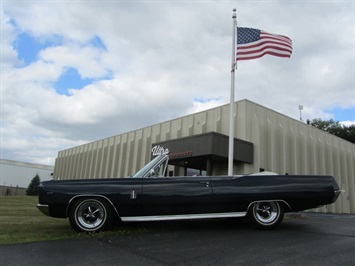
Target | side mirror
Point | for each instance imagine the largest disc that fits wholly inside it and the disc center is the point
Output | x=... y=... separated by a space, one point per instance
x=151 y=173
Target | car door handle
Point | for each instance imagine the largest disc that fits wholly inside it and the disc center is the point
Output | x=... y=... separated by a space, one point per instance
x=206 y=183
x=133 y=194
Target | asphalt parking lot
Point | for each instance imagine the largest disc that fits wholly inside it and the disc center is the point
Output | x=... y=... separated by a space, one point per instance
x=302 y=239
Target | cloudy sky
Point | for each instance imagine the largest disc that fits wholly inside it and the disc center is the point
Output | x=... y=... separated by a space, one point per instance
x=73 y=72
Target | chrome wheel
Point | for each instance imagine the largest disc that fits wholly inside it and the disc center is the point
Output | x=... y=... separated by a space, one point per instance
x=266 y=214
x=90 y=215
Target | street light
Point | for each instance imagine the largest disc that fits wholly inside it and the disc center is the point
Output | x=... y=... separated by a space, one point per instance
x=300 y=107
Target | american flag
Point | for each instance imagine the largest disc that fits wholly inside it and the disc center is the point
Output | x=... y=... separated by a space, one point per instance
x=254 y=43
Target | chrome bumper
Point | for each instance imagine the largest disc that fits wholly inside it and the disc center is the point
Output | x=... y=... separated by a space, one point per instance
x=336 y=195
x=43 y=208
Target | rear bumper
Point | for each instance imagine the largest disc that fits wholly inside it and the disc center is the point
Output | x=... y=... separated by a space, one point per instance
x=43 y=208
x=336 y=195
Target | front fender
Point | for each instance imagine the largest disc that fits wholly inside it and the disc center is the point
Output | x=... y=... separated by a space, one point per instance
x=75 y=198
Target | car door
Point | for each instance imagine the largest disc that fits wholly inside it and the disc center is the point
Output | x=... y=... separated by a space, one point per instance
x=176 y=196
x=231 y=195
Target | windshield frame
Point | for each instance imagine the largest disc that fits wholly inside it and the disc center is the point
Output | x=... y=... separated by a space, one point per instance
x=146 y=170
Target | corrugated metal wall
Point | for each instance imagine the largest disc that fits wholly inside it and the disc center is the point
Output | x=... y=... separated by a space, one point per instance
x=281 y=144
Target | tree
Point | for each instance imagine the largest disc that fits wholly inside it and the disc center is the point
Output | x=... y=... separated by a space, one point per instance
x=335 y=128
x=32 y=189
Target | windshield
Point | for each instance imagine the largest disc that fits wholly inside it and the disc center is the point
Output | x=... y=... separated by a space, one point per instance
x=156 y=164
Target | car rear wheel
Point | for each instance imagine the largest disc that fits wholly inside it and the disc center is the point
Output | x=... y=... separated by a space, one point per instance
x=266 y=214
x=90 y=215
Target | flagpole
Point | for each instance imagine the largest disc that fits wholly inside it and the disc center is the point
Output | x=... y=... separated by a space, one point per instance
x=231 y=108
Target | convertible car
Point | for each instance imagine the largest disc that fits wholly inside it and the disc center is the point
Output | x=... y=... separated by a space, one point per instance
x=92 y=204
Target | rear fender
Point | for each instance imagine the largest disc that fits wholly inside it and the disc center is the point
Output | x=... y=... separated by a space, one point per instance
x=286 y=205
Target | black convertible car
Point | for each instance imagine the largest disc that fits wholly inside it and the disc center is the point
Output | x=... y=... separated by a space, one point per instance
x=92 y=204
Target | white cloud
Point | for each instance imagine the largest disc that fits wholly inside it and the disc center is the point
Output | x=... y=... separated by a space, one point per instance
x=164 y=59
x=86 y=59
x=347 y=123
x=8 y=34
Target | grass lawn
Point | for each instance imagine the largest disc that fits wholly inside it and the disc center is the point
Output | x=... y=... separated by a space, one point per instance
x=21 y=221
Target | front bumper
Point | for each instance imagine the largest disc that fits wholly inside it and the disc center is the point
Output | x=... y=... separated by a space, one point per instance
x=43 y=208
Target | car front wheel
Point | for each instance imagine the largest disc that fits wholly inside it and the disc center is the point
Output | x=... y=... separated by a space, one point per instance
x=90 y=215
x=266 y=214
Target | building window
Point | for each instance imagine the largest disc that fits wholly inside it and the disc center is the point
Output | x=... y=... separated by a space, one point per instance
x=195 y=172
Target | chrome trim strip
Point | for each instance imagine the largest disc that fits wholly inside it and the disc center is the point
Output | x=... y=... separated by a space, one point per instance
x=43 y=208
x=182 y=217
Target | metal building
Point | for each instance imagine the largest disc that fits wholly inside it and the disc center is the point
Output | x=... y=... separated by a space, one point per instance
x=16 y=176
x=265 y=140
